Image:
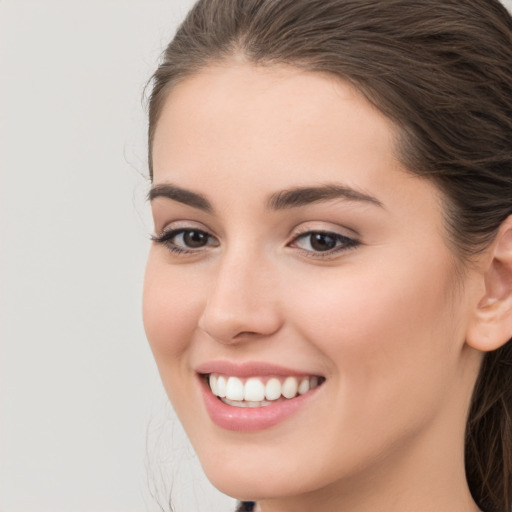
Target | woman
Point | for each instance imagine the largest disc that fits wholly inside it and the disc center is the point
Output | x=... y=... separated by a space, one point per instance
x=329 y=293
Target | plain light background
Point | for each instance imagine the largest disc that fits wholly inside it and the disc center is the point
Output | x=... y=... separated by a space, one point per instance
x=84 y=423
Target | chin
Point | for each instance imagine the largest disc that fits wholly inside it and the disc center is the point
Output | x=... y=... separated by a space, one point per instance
x=248 y=485
x=255 y=478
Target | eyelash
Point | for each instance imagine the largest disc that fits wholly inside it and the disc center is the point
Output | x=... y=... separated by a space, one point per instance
x=166 y=238
x=345 y=243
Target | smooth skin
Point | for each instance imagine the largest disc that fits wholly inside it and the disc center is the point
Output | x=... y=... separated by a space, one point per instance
x=389 y=316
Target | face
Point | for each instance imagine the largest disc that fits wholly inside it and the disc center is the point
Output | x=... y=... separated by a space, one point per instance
x=299 y=268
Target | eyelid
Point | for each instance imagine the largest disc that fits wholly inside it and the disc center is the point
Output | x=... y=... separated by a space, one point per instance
x=323 y=227
x=172 y=225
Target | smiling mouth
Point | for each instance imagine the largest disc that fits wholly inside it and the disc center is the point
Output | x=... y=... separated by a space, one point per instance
x=260 y=391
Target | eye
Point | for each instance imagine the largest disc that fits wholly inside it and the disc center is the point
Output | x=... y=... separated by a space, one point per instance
x=185 y=240
x=323 y=242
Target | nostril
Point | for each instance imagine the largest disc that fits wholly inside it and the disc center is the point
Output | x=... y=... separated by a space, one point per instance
x=246 y=334
x=239 y=307
x=229 y=329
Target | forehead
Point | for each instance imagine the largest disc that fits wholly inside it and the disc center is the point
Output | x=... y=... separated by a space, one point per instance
x=238 y=133
x=254 y=116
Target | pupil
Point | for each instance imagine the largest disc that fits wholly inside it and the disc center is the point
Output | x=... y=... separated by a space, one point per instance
x=322 y=242
x=195 y=238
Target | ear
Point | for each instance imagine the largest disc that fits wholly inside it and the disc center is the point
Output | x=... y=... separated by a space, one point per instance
x=491 y=323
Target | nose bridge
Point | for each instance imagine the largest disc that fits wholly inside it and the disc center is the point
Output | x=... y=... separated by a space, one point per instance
x=242 y=301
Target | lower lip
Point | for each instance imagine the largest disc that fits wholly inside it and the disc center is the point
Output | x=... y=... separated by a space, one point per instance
x=247 y=419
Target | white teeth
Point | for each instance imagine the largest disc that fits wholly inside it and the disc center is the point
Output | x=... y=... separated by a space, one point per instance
x=213 y=384
x=290 y=387
x=303 y=386
x=254 y=390
x=272 y=389
x=243 y=403
x=234 y=389
x=255 y=393
x=221 y=386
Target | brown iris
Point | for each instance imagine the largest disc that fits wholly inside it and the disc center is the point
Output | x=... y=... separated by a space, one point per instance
x=322 y=241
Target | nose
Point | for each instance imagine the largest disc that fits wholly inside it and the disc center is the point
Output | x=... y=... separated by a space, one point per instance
x=242 y=303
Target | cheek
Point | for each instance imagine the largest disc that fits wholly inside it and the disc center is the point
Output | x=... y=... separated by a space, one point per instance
x=389 y=336
x=172 y=303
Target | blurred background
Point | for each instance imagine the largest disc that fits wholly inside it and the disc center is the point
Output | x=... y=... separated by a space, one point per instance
x=84 y=423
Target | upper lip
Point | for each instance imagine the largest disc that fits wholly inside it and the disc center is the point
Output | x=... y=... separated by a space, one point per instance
x=249 y=369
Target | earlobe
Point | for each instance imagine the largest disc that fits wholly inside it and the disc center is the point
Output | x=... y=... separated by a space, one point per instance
x=491 y=323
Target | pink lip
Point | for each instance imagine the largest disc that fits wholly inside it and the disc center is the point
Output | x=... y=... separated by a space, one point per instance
x=249 y=369
x=246 y=419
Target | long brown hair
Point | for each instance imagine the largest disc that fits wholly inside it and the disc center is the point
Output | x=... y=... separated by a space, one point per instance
x=441 y=70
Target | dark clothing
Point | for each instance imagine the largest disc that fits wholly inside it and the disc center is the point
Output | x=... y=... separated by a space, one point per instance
x=245 y=506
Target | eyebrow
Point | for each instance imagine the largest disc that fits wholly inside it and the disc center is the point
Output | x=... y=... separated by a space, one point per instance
x=302 y=196
x=181 y=195
x=284 y=199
